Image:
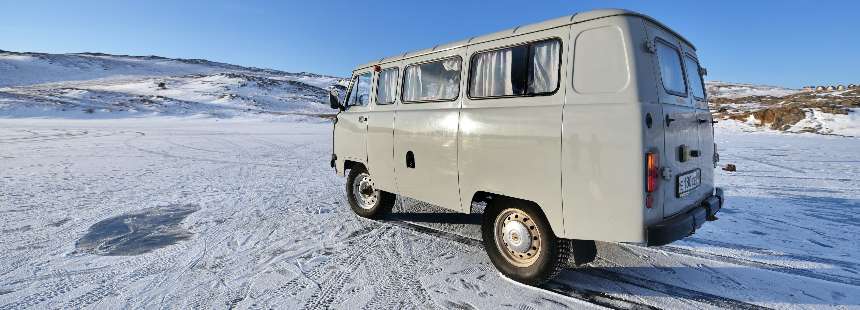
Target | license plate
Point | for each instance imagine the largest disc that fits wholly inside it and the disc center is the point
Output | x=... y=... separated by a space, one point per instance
x=688 y=182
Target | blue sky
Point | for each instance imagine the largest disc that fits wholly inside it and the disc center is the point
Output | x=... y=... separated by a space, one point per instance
x=788 y=43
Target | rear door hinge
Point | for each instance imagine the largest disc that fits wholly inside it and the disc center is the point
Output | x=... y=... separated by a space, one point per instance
x=650 y=46
x=666 y=173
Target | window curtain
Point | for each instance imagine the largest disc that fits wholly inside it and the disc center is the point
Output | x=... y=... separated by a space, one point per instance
x=413 y=87
x=491 y=75
x=433 y=81
x=388 y=86
x=450 y=79
x=545 y=62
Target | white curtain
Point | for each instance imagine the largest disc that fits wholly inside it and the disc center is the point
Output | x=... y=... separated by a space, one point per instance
x=491 y=74
x=451 y=79
x=433 y=81
x=413 y=86
x=387 y=86
x=544 y=73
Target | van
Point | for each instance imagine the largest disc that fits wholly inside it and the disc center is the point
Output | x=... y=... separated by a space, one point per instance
x=590 y=127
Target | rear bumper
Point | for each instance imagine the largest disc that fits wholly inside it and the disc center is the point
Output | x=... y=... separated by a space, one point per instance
x=685 y=224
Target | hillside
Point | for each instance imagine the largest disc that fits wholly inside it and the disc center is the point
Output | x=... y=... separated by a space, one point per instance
x=755 y=108
x=101 y=85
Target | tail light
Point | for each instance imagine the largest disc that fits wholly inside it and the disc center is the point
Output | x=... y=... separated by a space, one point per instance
x=653 y=168
x=653 y=171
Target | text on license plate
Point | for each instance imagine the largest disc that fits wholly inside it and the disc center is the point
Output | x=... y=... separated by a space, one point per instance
x=689 y=181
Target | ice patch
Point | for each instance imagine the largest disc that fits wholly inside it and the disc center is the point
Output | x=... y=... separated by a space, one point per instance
x=137 y=233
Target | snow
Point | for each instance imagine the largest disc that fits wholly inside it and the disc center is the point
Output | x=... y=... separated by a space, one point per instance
x=816 y=122
x=829 y=123
x=270 y=227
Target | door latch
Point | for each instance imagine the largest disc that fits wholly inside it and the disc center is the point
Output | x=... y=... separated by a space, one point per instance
x=362 y=119
x=669 y=120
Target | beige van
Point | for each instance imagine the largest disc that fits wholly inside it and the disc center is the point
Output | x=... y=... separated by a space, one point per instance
x=588 y=127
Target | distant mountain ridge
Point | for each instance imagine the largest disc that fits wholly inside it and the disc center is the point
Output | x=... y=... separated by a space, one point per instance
x=36 y=84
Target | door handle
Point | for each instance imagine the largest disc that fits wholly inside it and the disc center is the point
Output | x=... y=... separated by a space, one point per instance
x=702 y=121
x=669 y=120
x=362 y=119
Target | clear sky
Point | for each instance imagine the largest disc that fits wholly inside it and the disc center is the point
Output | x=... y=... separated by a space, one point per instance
x=787 y=43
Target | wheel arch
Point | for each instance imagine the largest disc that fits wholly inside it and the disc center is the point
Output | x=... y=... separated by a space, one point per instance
x=350 y=164
x=490 y=197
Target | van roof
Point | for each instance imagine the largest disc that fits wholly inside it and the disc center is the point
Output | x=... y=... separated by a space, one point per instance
x=552 y=23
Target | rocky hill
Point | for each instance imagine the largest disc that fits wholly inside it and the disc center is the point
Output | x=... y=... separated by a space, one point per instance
x=781 y=109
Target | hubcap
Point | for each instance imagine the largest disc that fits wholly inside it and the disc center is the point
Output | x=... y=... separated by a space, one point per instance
x=365 y=194
x=518 y=237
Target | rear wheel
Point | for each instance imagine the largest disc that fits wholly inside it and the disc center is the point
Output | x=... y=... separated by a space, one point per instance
x=521 y=244
x=364 y=198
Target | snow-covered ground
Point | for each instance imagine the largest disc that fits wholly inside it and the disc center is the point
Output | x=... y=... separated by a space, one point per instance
x=182 y=212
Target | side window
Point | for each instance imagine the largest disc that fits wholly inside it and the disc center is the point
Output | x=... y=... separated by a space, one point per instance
x=387 y=88
x=670 y=69
x=694 y=77
x=525 y=70
x=360 y=95
x=433 y=81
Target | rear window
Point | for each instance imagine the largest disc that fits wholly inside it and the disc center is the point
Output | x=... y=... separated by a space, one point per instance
x=433 y=81
x=670 y=69
x=694 y=77
x=525 y=70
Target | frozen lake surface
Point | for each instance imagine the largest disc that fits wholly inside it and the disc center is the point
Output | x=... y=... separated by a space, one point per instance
x=178 y=213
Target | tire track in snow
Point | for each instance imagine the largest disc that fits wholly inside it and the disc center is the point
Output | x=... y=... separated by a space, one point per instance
x=761 y=265
x=600 y=298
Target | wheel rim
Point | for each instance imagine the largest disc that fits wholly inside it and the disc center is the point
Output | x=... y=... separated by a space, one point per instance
x=366 y=195
x=517 y=237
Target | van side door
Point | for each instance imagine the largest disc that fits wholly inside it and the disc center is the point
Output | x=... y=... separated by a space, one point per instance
x=351 y=128
x=425 y=129
x=380 y=128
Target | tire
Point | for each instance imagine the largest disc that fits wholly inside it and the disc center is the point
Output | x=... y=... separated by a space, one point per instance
x=371 y=203
x=505 y=220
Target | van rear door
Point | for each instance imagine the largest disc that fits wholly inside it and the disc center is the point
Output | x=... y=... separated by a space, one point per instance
x=703 y=117
x=682 y=150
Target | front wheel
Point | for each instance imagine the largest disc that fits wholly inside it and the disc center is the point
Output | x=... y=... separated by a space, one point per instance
x=521 y=244
x=364 y=198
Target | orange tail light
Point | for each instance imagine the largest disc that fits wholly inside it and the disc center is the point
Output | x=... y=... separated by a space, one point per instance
x=653 y=171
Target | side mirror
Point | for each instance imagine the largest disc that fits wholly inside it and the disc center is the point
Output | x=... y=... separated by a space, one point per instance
x=334 y=101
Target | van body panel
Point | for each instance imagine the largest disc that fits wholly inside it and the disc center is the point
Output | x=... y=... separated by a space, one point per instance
x=428 y=130
x=507 y=143
x=602 y=150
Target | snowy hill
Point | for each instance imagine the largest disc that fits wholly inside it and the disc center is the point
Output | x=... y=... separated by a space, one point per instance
x=100 y=85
